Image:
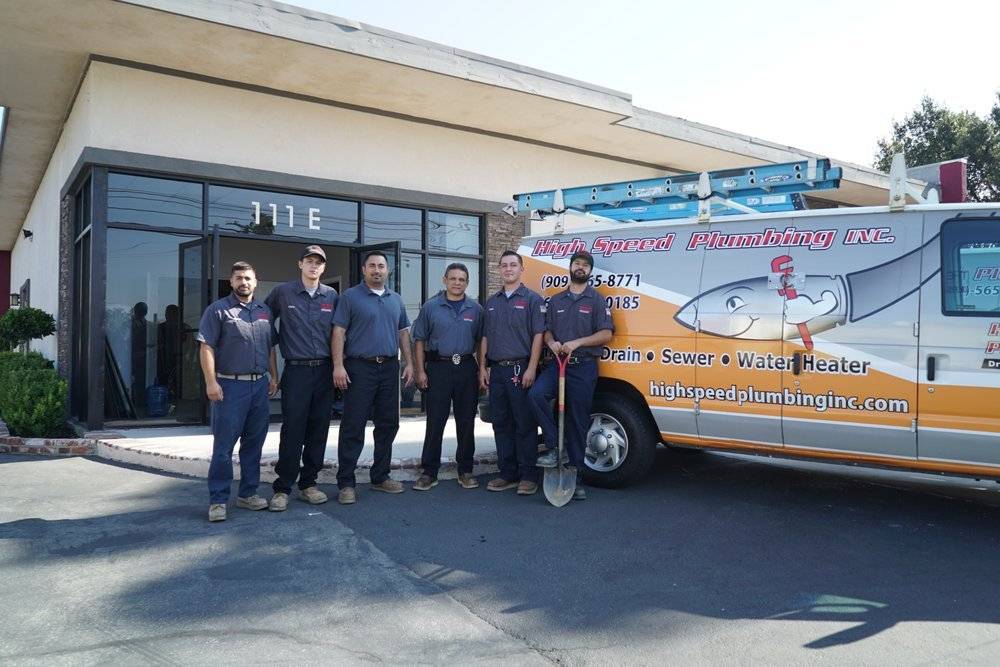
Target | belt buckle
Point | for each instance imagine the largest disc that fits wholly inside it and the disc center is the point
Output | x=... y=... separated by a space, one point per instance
x=456 y=359
x=379 y=360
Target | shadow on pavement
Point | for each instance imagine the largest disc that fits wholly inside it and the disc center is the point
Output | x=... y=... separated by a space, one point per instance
x=704 y=535
x=710 y=535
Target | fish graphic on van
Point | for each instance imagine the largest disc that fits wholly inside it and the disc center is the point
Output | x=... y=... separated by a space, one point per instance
x=754 y=309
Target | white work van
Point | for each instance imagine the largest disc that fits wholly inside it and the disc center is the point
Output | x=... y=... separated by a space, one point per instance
x=860 y=335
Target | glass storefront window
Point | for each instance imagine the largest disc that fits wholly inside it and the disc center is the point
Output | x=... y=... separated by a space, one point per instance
x=410 y=280
x=391 y=223
x=281 y=214
x=435 y=273
x=451 y=232
x=155 y=297
x=157 y=202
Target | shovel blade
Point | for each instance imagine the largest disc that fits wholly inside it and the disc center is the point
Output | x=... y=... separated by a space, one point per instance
x=559 y=485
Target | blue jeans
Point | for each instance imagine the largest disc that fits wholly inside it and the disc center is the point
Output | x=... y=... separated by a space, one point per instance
x=581 y=379
x=242 y=415
x=514 y=427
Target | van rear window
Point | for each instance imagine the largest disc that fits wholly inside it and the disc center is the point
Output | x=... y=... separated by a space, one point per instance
x=970 y=267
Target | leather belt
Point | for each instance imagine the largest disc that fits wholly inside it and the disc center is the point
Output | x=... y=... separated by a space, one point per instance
x=306 y=362
x=507 y=362
x=250 y=377
x=455 y=358
x=375 y=360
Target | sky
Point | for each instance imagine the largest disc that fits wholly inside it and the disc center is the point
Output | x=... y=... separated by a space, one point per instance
x=827 y=77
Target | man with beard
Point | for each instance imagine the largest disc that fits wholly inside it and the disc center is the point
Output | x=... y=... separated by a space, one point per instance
x=370 y=328
x=577 y=324
x=304 y=307
x=237 y=338
x=508 y=361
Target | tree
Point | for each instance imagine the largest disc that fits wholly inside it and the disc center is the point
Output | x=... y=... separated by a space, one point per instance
x=934 y=133
x=20 y=325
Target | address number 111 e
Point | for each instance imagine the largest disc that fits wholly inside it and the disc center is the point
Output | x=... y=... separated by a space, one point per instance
x=313 y=218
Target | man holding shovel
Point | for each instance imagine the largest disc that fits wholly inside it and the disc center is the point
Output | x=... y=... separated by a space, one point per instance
x=577 y=325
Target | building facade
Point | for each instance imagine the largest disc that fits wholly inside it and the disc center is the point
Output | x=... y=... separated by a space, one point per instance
x=157 y=161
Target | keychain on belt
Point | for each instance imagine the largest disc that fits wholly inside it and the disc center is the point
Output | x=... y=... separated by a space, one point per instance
x=517 y=371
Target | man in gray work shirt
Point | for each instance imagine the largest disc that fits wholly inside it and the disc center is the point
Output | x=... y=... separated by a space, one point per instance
x=237 y=338
x=447 y=333
x=304 y=310
x=370 y=328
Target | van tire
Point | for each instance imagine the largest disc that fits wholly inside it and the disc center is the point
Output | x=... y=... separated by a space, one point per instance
x=642 y=440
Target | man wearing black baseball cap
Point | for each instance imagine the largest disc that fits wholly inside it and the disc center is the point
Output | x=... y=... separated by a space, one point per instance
x=303 y=309
x=577 y=324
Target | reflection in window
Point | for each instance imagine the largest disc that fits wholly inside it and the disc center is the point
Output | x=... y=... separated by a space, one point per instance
x=157 y=202
x=410 y=280
x=281 y=214
x=435 y=274
x=391 y=223
x=451 y=232
x=970 y=268
x=153 y=306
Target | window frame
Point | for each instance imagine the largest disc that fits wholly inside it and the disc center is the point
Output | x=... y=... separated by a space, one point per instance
x=951 y=227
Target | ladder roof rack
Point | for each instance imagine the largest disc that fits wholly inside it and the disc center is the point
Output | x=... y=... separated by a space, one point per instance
x=760 y=189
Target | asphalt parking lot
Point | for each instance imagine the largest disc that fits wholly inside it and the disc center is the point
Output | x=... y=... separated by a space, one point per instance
x=711 y=559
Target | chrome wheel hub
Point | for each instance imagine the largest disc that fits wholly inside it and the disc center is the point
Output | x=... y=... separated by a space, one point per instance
x=607 y=443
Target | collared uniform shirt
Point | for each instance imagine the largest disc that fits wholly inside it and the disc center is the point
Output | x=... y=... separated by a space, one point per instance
x=305 y=322
x=511 y=323
x=570 y=316
x=446 y=332
x=372 y=322
x=241 y=334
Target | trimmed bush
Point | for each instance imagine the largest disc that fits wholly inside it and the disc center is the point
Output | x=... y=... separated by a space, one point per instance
x=22 y=325
x=33 y=402
x=15 y=361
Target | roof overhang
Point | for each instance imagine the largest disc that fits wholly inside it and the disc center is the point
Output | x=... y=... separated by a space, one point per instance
x=45 y=49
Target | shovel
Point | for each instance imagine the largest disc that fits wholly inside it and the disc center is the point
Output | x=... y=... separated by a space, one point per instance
x=559 y=483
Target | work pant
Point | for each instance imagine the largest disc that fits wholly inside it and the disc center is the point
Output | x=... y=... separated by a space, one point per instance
x=581 y=379
x=374 y=389
x=306 y=400
x=514 y=426
x=447 y=385
x=241 y=414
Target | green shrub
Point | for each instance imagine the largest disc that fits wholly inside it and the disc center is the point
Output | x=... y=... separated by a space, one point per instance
x=21 y=325
x=15 y=361
x=33 y=402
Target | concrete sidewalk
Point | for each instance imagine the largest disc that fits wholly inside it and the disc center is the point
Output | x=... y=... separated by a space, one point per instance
x=188 y=449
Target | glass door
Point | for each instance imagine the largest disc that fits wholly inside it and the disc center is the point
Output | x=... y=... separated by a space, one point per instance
x=178 y=350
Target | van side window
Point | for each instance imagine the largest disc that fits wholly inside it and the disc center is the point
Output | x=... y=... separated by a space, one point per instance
x=970 y=267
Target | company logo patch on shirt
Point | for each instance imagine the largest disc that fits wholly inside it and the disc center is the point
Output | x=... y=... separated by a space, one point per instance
x=521 y=304
x=263 y=316
x=586 y=309
x=326 y=307
x=469 y=318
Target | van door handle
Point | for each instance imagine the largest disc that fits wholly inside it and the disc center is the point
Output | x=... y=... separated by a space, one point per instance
x=796 y=363
x=931 y=367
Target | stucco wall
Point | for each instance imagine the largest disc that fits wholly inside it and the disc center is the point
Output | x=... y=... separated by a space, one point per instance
x=151 y=113
x=37 y=258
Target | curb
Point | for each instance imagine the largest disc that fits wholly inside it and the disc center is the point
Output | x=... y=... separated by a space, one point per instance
x=404 y=470
x=13 y=444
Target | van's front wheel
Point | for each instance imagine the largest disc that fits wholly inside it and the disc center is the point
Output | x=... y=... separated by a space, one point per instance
x=621 y=442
